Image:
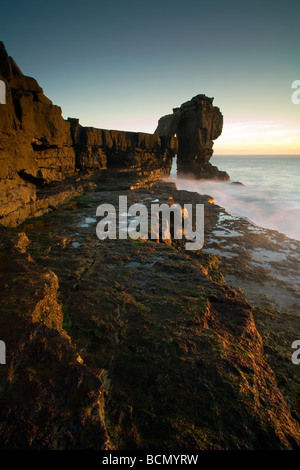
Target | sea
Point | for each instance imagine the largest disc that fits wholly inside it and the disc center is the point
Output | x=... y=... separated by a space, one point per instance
x=269 y=195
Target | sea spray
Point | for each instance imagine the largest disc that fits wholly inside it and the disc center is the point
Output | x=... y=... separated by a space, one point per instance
x=269 y=196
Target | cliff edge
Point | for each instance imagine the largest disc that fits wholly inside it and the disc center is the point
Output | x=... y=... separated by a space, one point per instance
x=39 y=150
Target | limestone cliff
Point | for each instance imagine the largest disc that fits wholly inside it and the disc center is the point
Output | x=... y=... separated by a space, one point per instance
x=35 y=143
x=105 y=149
x=196 y=123
x=39 y=149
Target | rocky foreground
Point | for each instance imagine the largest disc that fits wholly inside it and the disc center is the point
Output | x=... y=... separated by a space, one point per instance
x=129 y=344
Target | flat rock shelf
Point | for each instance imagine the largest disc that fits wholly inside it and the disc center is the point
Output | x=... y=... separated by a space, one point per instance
x=131 y=344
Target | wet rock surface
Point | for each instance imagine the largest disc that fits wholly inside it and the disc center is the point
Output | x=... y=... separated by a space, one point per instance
x=174 y=349
x=264 y=264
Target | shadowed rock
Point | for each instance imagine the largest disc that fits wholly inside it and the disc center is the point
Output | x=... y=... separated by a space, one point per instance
x=196 y=123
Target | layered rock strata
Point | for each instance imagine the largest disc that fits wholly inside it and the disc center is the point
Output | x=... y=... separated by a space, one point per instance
x=39 y=149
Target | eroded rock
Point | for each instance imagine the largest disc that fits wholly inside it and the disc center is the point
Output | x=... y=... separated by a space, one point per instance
x=196 y=123
x=50 y=398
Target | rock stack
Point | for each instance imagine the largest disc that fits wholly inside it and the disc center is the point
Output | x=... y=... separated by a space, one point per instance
x=196 y=123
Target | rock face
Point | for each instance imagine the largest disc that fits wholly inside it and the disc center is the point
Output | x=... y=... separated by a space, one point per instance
x=35 y=143
x=106 y=149
x=39 y=149
x=196 y=123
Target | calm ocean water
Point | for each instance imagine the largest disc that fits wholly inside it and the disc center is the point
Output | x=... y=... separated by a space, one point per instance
x=270 y=196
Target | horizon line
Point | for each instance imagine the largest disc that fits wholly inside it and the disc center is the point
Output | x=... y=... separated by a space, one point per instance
x=255 y=155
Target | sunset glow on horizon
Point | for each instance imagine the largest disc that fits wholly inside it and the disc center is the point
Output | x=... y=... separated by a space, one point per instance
x=258 y=138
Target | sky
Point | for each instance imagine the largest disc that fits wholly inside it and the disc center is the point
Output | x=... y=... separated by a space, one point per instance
x=124 y=64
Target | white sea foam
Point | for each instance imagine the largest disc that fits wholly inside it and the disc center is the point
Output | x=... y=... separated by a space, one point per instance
x=270 y=196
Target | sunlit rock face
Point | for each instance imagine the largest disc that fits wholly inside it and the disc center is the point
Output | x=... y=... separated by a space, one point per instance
x=112 y=149
x=35 y=143
x=196 y=123
x=45 y=159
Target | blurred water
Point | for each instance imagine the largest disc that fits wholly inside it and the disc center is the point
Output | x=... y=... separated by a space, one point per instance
x=270 y=196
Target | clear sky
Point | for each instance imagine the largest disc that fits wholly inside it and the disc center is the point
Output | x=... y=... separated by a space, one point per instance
x=124 y=64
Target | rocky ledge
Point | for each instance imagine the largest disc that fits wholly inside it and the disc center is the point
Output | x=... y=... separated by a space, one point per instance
x=129 y=344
